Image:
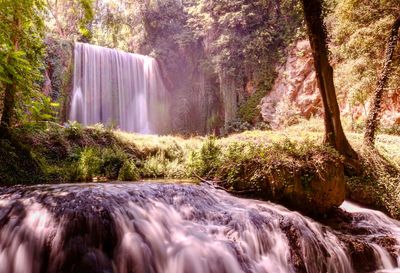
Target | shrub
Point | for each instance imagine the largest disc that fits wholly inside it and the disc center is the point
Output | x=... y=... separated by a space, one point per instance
x=241 y=160
x=391 y=130
x=73 y=130
x=249 y=110
x=112 y=160
x=129 y=171
x=207 y=159
x=237 y=126
x=89 y=164
x=155 y=166
x=262 y=126
x=176 y=169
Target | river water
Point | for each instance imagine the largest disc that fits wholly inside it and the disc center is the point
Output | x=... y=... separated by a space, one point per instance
x=176 y=228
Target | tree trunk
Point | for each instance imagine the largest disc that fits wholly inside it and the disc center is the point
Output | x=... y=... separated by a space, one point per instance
x=9 y=104
x=375 y=110
x=334 y=134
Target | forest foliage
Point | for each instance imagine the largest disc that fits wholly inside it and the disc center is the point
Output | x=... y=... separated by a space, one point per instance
x=22 y=32
x=359 y=31
x=242 y=38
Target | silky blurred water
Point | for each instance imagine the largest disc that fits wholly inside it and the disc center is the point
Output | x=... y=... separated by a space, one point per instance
x=117 y=88
x=174 y=228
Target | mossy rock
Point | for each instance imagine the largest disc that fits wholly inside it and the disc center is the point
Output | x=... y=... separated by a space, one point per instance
x=312 y=190
x=313 y=185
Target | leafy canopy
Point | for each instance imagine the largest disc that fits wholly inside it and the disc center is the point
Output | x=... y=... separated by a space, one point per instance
x=21 y=48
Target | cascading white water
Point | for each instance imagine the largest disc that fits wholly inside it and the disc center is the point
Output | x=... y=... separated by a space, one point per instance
x=118 y=88
x=166 y=228
x=378 y=223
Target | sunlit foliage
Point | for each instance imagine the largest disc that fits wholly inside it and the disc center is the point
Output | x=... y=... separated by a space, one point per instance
x=21 y=52
x=70 y=19
x=359 y=31
x=242 y=34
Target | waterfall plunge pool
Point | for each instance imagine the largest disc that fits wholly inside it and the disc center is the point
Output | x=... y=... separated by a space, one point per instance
x=178 y=228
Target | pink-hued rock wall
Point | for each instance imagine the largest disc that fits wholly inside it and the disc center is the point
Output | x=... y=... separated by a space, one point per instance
x=295 y=93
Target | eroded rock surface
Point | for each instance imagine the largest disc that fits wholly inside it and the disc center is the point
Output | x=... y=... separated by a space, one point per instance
x=295 y=94
x=295 y=91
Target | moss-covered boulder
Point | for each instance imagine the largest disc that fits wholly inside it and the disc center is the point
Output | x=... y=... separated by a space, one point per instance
x=314 y=186
x=305 y=176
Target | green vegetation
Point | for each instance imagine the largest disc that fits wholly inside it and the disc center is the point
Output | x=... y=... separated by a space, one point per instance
x=249 y=110
x=70 y=19
x=227 y=51
x=21 y=58
x=75 y=153
x=59 y=62
x=377 y=184
x=359 y=34
x=242 y=162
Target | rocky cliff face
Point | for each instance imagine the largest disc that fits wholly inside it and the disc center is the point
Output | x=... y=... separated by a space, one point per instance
x=196 y=106
x=295 y=91
x=58 y=78
x=295 y=94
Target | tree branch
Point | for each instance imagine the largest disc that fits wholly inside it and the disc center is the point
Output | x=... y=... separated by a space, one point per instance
x=212 y=184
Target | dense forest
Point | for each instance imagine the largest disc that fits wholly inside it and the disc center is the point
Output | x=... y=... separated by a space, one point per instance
x=225 y=55
x=217 y=108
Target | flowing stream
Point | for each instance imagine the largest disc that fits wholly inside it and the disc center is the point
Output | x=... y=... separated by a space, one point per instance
x=118 y=88
x=176 y=228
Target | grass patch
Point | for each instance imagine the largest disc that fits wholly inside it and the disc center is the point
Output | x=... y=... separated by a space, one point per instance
x=378 y=186
x=242 y=161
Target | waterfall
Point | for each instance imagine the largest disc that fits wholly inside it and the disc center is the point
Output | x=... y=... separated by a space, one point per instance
x=172 y=228
x=118 y=88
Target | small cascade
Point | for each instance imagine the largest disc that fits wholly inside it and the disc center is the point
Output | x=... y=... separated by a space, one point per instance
x=377 y=224
x=118 y=88
x=171 y=228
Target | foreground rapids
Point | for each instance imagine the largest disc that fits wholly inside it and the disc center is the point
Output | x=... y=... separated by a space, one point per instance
x=165 y=228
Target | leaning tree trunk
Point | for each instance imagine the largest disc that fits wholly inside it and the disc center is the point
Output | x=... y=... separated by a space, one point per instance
x=375 y=110
x=334 y=134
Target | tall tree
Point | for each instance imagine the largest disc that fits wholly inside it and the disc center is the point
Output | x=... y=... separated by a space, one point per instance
x=21 y=29
x=334 y=134
x=375 y=110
